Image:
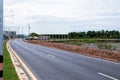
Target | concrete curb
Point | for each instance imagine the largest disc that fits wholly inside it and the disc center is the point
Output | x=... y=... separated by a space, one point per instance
x=19 y=65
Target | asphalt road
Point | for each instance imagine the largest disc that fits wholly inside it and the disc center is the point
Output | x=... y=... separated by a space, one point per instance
x=53 y=64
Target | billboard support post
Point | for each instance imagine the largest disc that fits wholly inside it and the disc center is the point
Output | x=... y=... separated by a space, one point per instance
x=1 y=38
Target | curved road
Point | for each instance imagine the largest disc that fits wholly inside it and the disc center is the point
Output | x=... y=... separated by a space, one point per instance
x=53 y=64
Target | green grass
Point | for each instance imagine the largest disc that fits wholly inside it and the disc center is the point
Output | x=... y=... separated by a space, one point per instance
x=87 y=40
x=105 y=46
x=9 y=72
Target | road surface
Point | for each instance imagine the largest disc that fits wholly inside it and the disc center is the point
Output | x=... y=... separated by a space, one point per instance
x=53 y=64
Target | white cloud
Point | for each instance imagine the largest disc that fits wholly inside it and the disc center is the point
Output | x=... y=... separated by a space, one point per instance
x=62 y=12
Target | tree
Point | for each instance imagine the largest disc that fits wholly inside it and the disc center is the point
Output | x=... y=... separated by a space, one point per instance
x=94 y=34
x=34 y=35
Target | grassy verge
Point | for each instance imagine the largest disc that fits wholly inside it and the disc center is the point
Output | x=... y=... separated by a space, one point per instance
x=87 y=40
x=9 y=72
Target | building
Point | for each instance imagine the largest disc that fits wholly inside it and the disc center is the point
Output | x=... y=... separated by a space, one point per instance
x=9 y=34
x=42 y=37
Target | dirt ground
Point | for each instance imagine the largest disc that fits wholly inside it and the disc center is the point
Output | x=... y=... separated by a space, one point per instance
x=94 y=52
x=116 y=45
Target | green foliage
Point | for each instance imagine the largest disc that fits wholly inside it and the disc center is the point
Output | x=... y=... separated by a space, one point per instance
x=89 y=41
x=94 y=34
x=105 y=46
x=78 y=43
x=34 y=35
x=9 y=72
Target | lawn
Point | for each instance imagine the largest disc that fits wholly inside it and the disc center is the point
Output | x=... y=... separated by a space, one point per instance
x=9 y=72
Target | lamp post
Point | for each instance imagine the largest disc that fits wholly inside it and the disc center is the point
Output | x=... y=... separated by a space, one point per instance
x=18 y=30
x=28 y=29
x=1 y=38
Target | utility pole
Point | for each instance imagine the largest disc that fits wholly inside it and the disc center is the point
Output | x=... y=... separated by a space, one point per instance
x=28 y=29
x=22 y=30
x=9 y=28
x=1 y=38
x=18 y=30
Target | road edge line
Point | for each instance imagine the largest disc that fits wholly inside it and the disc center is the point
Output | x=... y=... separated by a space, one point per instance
x=21 y=62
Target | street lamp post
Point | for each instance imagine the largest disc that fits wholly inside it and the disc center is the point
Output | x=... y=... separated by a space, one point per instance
x=18 y=30
x=28 y=29
x=1 y=38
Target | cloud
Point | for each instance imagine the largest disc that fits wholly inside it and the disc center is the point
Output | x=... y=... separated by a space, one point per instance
x=63 y=13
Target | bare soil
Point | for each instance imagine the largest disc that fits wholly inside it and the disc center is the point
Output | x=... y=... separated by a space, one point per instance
x=94 y=52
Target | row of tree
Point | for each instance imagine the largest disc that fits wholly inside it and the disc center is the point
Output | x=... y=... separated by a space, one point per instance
x=94 y=34
x=89 y=34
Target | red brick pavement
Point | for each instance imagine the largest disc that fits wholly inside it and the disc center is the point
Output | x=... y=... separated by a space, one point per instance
x=1 y=69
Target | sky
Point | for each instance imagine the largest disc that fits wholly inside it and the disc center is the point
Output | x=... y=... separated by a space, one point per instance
x=61 y=16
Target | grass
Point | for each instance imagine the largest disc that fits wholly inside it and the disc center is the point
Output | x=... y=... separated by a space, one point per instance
x=104 y=46
x=87 y=40
x=80 y=42
x=9 y=72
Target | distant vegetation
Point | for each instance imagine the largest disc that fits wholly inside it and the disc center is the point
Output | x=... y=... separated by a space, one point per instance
x=95 y=34
x=105 y=46
x=94 y=39
x=78 y=35
x=34 y=35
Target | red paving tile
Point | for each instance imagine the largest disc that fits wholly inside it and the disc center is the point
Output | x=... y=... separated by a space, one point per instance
x=1 y=69
x=0 y=66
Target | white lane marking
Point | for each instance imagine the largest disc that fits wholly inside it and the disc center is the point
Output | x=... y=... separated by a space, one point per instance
x=117 y=63
x=22 y=63
x=107 y=76
x=110 y=61
x=51 y=55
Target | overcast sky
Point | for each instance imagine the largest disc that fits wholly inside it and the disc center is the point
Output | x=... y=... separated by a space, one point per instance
x=61 y=16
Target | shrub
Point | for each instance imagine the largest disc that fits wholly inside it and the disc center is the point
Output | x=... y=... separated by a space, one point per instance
x=104 y=46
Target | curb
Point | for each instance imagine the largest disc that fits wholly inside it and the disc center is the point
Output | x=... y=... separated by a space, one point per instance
x=19 y=65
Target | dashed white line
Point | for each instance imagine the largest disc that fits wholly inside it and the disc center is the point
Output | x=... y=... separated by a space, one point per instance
x=107 y=76
x=51 y=55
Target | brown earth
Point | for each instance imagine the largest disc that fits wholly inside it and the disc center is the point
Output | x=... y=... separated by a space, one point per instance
x=98 y=53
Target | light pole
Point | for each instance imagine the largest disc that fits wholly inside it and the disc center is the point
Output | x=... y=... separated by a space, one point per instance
x=18 y=30
x=28 y=29
x=22 y=30
x=1 y=37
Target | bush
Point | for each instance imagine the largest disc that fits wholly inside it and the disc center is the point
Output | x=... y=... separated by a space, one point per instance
x=105 y=46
